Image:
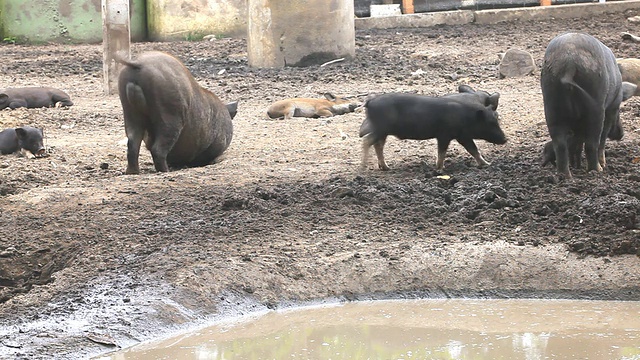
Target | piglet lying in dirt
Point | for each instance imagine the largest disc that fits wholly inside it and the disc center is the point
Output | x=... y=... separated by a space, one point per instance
x=630 y=71
x=33 y=97
x=311 y=108
x=22 y=138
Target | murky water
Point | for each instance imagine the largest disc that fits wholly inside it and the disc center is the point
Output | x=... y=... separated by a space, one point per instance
x=418 y=329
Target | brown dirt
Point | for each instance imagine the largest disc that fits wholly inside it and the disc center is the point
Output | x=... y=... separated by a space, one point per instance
x=286 y=217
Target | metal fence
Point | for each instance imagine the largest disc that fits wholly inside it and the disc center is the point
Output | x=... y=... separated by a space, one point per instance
x=362 y=7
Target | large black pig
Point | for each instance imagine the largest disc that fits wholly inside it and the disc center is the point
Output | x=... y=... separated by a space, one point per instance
x=182 y=124
x=582 y=91
x=419 y=117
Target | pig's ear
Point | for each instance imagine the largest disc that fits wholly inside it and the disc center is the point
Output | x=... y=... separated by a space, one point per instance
x=493 y=101
x=465 y=89
x=628 y=90
x=22 y=133
x=330 y=96
x=232 y=107
x=3 y=97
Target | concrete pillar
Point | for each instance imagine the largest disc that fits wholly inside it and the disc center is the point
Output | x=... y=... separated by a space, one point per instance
x=299 y=33
x=116 y=40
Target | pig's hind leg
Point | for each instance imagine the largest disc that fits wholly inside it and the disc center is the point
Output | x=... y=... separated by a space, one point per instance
x=371 y=140
x=379 y=146
x=165 y=136
x=443 y=145
x=135 y=134
x=366 y=145
x=14 y=104
x=594 y=144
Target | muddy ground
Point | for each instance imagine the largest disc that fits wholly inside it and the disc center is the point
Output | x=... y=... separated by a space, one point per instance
x=87 y=252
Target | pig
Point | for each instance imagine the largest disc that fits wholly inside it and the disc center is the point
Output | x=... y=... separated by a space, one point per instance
x=582 y=91
x=22 y=138
x=630 y=72
x=419 y=117
x=311 y=108
x=576 y=145
x=33 y=97
x=467 y=92
x=181 y=123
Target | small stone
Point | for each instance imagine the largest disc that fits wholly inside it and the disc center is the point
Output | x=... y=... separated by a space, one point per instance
x=634 y=19
x=342 y=192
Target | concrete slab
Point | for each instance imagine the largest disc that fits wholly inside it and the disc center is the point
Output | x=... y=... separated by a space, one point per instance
x=459 y=17
x=554 y=11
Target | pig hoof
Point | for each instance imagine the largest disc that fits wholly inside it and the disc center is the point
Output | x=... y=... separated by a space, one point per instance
x=566 y=176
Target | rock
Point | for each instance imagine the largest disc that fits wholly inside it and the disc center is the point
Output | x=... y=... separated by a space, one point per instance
x=634 y=19
x=516 y=63
x=103 y=339
x=11 y=344
x=630 y=37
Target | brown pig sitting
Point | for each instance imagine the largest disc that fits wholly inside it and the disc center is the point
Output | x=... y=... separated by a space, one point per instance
x=311 y=108
x=33 y=97
x=630 y=71
x=182 y=124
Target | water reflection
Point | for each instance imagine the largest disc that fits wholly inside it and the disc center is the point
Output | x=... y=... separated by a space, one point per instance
x=419 y=329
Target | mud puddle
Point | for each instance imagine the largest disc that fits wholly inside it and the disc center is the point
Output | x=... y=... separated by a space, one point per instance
x=402 y=329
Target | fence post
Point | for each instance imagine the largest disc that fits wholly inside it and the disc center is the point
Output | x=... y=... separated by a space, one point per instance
x=116 y=39
x=407 y=6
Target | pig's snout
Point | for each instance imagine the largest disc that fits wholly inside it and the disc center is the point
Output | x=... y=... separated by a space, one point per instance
x=42 y=152
x=497 y=137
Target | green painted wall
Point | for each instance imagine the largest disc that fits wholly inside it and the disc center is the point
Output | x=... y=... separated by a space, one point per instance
x=76 y=21
x=80 y=21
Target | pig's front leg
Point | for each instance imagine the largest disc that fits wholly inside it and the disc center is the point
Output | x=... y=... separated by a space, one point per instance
x=289 y=112
x=471 y=147
x=324 y=113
